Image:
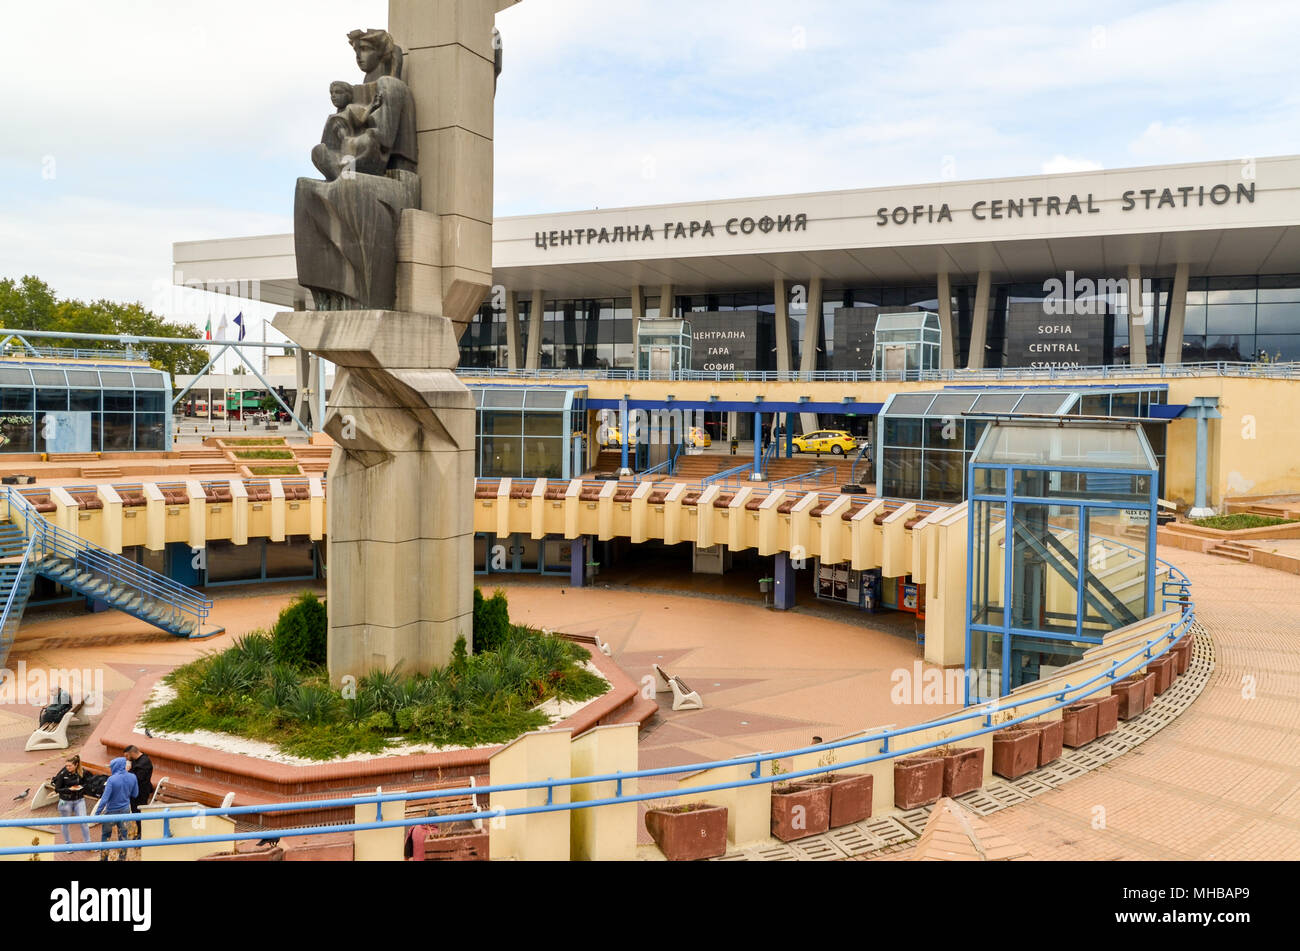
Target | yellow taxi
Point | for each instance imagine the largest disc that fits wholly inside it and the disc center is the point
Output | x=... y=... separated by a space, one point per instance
x=698 y=437
x=834 y=441
x=613 y=437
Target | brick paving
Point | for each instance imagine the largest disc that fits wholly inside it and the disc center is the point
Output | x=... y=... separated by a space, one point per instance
x=1222 y=781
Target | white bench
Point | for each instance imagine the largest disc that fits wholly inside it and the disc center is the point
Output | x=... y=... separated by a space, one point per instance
x=54 y=736
x=684 y=698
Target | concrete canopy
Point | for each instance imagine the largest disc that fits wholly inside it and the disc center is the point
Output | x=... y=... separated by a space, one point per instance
x=845 y=240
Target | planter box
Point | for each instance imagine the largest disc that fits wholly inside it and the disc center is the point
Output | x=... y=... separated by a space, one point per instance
x=1182 y=654
x=686 y=833
x=1051 y=733
x=1107 y=712
x=1131 y=692
x=1163 y=668
x=850 y=796
x=800 y=809
x=1149 y=690
x=1015 y=752
x=963 y=770
x=918 y=780
x=1079 y=723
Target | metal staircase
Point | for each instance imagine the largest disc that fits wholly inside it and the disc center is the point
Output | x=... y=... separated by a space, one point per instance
x=30 y=546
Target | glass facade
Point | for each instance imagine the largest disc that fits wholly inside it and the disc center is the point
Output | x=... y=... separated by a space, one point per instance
x=529 y=432
x=79 y=408
x=926 y=439
x=1254 y=318
x=1062 y=545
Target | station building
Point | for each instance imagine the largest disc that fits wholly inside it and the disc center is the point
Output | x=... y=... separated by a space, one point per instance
x=1174 y=288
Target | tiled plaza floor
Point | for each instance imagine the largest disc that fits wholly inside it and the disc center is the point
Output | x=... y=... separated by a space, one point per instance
x=1223 y=780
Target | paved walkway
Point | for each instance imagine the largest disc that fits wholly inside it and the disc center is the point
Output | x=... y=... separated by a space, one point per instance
x=1223 y=780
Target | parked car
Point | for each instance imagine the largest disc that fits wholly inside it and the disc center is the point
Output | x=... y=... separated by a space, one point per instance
x=834 y=441
x=698 y=437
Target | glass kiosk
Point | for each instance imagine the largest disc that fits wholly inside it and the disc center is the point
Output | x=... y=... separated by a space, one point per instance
x=663 y=347
x=1061 y=548
x=906 y=344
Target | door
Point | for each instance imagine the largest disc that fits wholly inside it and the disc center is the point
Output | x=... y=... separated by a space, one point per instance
x=660 y=361
x=895 y=360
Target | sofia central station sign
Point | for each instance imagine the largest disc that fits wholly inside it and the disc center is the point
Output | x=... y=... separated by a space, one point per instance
x=1183 y=196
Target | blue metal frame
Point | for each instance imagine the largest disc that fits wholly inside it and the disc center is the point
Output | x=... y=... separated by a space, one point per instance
x=1008 y=500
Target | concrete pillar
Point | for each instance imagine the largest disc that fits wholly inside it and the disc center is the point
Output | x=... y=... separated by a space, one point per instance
x=782 y=300
x=578 y=562
x=783 y=586
x=811 y=337
x=665 y=301
x=979 y=326
x=1138 y=318
x=536 y=308
x=1177 y=316
x=948 y=338
x=1202 y=409
x=512 y=331
x=811 y=329
x=638 y=315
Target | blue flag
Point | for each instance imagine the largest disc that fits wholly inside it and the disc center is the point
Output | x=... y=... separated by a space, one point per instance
x=239 y=321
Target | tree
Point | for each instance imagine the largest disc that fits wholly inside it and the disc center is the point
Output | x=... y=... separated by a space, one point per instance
x=30 y=304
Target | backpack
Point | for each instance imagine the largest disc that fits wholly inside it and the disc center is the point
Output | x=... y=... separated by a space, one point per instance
x=94 y=785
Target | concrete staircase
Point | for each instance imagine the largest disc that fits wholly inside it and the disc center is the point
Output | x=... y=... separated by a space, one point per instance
x=1234 y=550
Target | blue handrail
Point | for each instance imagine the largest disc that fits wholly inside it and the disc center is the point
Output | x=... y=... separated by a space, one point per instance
x=1153 y=647
x=51 y=540
x=10 y=619
x=726 y=474
x=813 y=475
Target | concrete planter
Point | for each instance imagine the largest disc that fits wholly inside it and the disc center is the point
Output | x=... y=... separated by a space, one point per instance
x=850 y=797
x=963 y=770
x=687 y=833
x=1148 y=690
x=1050 y=736
x=800 y=809
x=918 y=780
x=1107 y=712
x=1015 y=752
x=1131 y=693
x=1163 y=668
x=1182 y=653
x=1079 y=722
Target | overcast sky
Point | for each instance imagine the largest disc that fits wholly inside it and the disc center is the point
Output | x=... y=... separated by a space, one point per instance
x=131 y=125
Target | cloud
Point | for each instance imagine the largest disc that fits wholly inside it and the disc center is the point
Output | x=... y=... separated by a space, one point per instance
x=1061 y=164
x=1177 y=142
x=174 y=119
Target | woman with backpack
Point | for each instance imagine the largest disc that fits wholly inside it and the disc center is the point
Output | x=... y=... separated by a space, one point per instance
x=70 y=784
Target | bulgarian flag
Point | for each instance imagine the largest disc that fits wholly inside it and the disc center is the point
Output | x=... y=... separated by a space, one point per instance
x=207 y=331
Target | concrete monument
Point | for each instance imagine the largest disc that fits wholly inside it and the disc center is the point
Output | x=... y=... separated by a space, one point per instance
x=395 y=246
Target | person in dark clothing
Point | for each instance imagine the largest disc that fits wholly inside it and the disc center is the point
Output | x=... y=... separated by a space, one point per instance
x=141 y=768
x=120 y=789
x=70 y=784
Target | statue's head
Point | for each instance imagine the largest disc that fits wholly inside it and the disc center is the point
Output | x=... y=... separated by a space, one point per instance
x=377 y=54
x=340 y=93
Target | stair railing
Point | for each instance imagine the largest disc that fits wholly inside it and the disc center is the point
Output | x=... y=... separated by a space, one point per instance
x=85 y=556
x=15 y=602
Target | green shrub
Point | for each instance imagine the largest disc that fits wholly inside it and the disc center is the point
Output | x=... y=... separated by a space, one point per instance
x=301 y=633
x=491 y=621
x=312 y=703
x=381 y=721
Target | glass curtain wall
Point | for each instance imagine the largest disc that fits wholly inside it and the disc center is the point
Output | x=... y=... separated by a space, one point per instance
x=527 y=432
x=78 y=409
x=1062 y=542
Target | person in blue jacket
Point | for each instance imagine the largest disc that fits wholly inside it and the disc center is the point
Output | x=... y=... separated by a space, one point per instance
x=120 y=789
